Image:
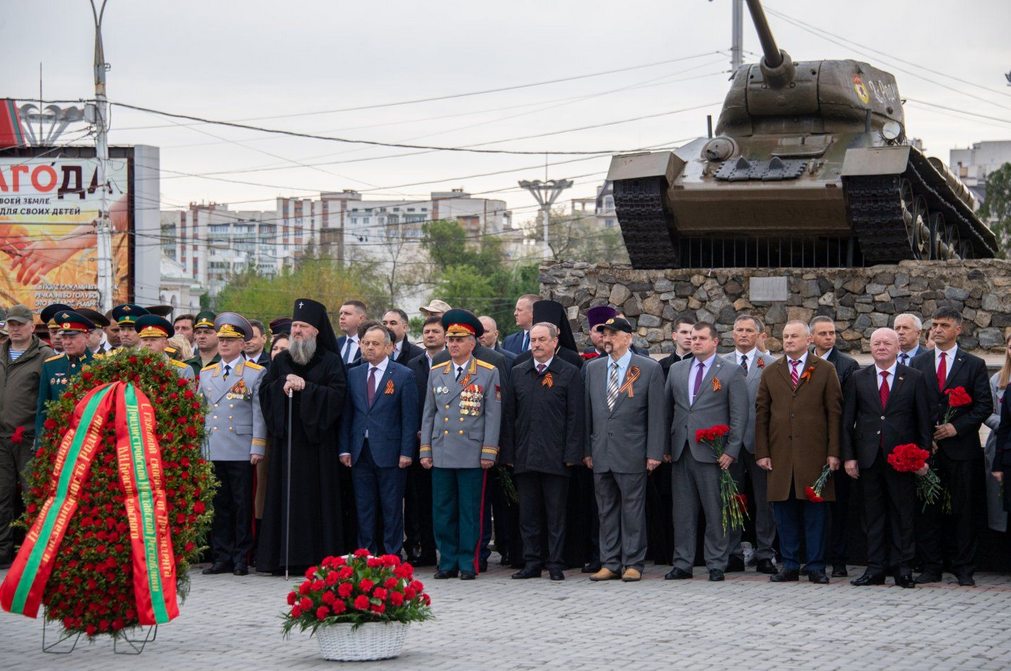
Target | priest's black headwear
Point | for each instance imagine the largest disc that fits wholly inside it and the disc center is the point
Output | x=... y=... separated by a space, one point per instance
x=553 y=312
x=314 y=313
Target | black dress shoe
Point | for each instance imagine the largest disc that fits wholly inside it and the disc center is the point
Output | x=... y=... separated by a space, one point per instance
x=735 y=564
x=927 y=577
x=868 y=579
x=414 y=560
x=766 y=566
x=905 y=581
x=240 y=569
x=591 y=567
x=716 y=575
x=785 y=575
x=467 y=575
x=482 y=565
x=556 y=574
x=966 y=581
x=504 y=560
x=443 y=574
x=527 y=572
x=678 y=574
x=839 y=571
x=218 y=567
x=425 y=560
x=817 y=576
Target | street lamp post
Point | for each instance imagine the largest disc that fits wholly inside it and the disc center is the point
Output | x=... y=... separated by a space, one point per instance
x=546 y=193
x=103 y=227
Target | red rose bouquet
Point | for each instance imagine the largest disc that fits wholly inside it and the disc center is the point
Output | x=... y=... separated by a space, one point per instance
x=734 y=504
x=356 y=589
x=957 y=398
x=813 y=493
x=589 y=355
x=910 y=458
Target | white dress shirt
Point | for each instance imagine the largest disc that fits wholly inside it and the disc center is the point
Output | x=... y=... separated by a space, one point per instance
x=891 y=375
x=949 y=359
x=750 y=356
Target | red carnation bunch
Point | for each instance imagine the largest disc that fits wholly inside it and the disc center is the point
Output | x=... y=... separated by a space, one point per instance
x=910 y=458
x=18 y=436
x=813 y=493
x=734 y=512
x=958 y=397
x=589 y=355
x=356 y=589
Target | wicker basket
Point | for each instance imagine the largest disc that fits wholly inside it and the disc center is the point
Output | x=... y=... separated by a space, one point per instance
x=371 y=641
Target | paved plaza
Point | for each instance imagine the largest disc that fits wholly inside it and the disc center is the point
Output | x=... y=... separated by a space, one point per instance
x=743 y=624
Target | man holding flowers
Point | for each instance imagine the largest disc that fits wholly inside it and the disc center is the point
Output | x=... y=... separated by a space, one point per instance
x=885 y=407
x=703 y=391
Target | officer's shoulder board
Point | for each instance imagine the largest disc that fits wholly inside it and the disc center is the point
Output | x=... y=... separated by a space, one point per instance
x=54 y=358
x=210 y=367
x=484 y=364
x=444 y=364
x=253 y=366
x=178 y=364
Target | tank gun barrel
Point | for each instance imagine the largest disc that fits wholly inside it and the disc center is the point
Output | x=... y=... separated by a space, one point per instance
x=777 y=66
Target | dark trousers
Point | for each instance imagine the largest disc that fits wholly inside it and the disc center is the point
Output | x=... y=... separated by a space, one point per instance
x=765 y=521
x=796 y=519
x=838 y=511
x=457 y=495
x=385 y=487
x=503 y=516
x=959 y=477
x=232 y=526
x=542 y=506
x=418 y=512
x=15 y=461
x=889 y=504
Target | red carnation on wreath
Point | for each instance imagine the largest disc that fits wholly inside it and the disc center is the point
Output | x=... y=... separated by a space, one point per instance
x=96 y=548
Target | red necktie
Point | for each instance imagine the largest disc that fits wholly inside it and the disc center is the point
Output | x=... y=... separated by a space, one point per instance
x=794 y=377
x=370 y=389
x=942 y=371
x=884 y=390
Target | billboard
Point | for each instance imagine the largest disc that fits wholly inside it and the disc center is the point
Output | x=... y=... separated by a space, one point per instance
x=49 y=203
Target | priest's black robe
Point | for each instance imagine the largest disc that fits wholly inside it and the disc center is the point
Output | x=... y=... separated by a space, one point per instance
x=316 y=525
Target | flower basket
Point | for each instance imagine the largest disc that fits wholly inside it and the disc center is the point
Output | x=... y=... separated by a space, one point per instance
x=371 y=641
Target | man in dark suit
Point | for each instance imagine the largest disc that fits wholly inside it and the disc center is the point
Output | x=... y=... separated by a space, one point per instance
x=403 y=349
x=519 y=342
x=378 y=437
x=253 y=351
x=885 y=405
x=542 y=438
x=909 y=327
x=490 y=337
x=627 y=437
x=420 y=543
x=681 y=334
x=823 y=336
x=352 y=316
x=959 y=456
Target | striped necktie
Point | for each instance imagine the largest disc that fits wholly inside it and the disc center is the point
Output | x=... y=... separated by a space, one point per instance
x=612 y=387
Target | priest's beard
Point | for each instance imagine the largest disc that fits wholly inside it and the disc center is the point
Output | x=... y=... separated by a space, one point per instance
x=302 y=350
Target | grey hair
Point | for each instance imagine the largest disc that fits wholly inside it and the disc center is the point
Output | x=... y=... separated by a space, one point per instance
x=917 y=322
x=758 y=322
x=807 y=329
x=552 y=329
x=386 y=333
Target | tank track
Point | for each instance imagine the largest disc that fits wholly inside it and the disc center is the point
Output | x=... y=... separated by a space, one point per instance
x=642 y=215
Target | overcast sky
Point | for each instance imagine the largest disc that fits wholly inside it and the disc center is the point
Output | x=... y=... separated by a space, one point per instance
x=230 y=60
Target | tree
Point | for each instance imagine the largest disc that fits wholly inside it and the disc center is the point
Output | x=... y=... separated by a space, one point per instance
x=579 y=237
x=996 y=209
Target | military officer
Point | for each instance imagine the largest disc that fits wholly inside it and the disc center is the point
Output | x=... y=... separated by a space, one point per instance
x=48 y=317
x=58 y=371
x=154 y=332
x=206 y=341
x=236 y=439
x=460 y=442
x=126 y=315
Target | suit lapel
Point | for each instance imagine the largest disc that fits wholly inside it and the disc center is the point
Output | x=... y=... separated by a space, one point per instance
x=455 y=387
x=899 y=382
x=707 y=380
x=221 y=385
x=870 y=382
x=381 y=387
x=953 y=369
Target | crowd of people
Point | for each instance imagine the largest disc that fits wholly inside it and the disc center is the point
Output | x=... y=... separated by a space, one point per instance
x=596 y=460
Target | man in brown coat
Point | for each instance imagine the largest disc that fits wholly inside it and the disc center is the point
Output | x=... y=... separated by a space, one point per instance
x=797 y=417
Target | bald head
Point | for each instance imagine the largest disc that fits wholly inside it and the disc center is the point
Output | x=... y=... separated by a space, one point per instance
x=884 y=347
x=490 y=337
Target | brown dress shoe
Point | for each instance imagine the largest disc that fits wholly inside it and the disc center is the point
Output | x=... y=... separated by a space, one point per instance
x=631 y=575
x=604 y=574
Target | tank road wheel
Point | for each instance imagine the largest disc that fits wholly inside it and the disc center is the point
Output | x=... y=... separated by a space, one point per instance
x=952 y=241
x=965 y=250
x=907 y=199
x=936 y=230
x=919 y=231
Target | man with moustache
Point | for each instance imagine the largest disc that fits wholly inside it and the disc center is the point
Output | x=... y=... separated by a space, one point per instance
x=309 y=378
x=60 y=370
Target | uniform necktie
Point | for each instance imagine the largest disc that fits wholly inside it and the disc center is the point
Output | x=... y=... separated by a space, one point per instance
x=612 y=386
x=371 y=388
x=884 y=390
x=228 y=369
x=942 y=371
x=540 y=369
x=744 y=363
x=794 y=375
x=698 y=380
x=459 y=372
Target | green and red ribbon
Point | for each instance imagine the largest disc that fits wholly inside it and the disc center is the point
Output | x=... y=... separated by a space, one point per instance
x=140 y=471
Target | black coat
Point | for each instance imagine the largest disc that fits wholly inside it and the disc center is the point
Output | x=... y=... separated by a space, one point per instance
x=419 y=365
x=845 y=366
x=905 y=419
x=542 y=429
x=669 y=361
x=967 y=371
x=408 y=351
x=566 y=355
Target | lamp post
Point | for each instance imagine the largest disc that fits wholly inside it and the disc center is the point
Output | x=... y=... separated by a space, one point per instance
x=103 y=226
x=546 y=193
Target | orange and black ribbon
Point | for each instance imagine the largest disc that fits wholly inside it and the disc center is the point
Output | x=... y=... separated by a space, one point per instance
x=633 y=375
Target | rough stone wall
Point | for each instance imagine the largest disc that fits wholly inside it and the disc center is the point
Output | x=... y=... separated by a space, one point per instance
x=859 y=299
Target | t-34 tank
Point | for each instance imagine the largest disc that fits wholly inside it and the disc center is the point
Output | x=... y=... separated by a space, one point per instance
x=809 y=167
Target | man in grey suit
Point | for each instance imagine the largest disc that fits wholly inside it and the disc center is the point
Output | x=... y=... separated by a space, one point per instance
x=752 y=362
x=702 y=391
x=236 y=441
x=626 y=420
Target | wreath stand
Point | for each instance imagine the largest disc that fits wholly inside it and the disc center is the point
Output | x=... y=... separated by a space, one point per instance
x=132 y=646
